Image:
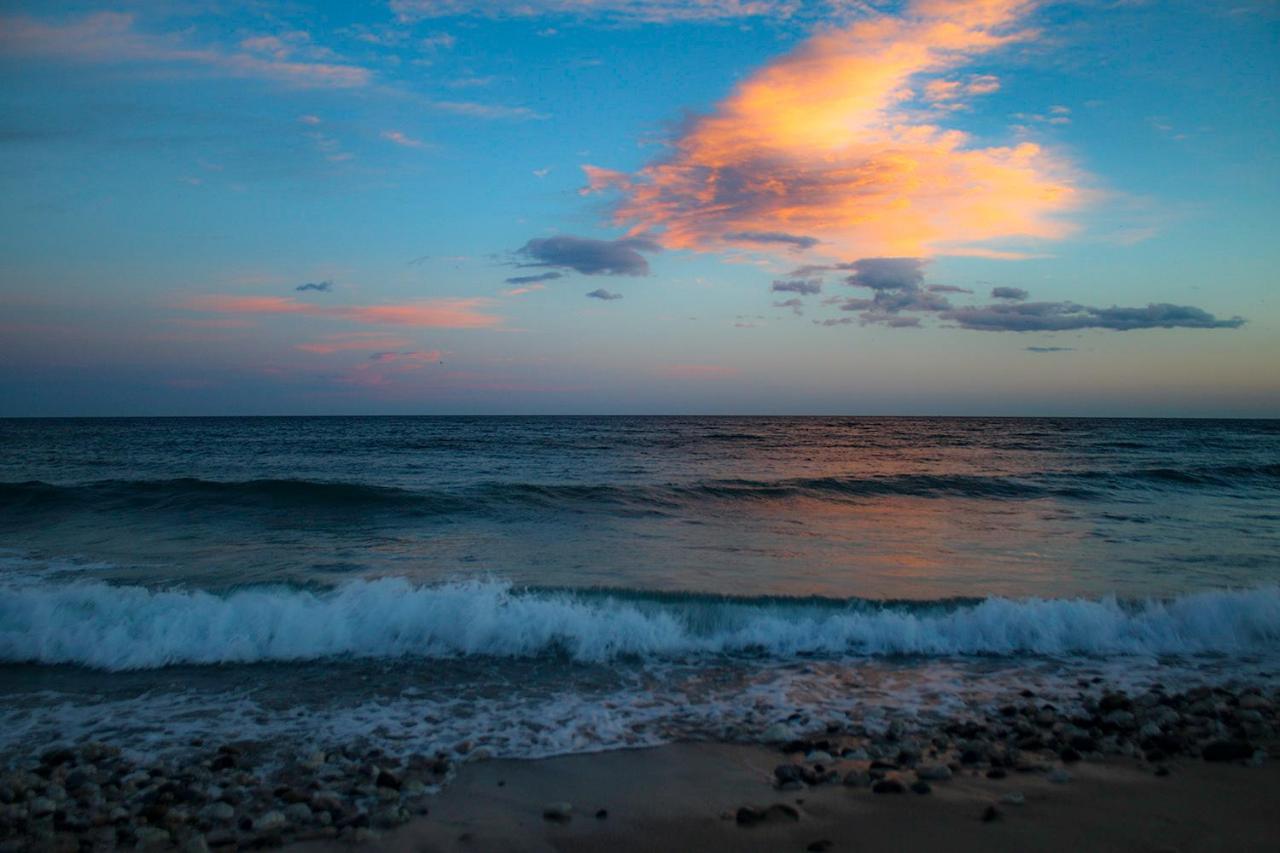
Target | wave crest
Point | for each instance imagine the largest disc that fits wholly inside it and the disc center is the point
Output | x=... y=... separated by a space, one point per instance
x=109 y=627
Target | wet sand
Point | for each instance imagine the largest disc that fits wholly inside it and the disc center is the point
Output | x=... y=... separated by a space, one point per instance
x=686 y=797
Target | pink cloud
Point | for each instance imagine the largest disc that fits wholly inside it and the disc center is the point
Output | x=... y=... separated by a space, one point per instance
x=444 y=313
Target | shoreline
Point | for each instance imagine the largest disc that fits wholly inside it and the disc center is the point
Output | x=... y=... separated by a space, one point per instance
x=1095 y=759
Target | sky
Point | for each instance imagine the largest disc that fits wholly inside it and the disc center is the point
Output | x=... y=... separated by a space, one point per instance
x=997 y=207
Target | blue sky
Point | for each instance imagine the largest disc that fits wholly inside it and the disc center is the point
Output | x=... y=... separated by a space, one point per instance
x=782 y=205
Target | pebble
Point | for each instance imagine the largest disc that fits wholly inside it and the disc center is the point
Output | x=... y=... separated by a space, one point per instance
x=1014 y=798
x=1058 y=776
x=559 y=812
x=888 y=786
x=933 y=772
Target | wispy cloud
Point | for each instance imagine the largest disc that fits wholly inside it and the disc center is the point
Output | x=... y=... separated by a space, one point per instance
x=487 y=111
x=601 y=293
x=317 y=286
x=113 y=38
x=803 y=286
x=534 y=279
x=354 y=342
x=447 y=313
x=1067 y=316
x=825 y=143
x=637 y=11
x=402 y=139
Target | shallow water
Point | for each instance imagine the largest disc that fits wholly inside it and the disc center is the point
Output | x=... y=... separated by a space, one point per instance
x=544 y=585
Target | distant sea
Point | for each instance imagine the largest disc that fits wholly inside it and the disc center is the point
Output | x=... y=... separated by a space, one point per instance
x=539 y=586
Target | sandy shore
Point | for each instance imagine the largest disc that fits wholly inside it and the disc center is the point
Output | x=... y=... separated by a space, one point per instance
x=1101 y=770
x=686 y=797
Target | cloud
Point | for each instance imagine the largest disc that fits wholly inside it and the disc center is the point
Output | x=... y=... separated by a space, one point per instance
x=601 y=293
x=534 y=279
x=900 y=299
x=795 y=241
x=887 y=273
x=590 y=257
x=1050 y=349
x=317 y=286
x=795 y=303
x=487 y=111
x=803 y=286
x=444 y=313
x=354 y=341
x=411 y=357
x=1067 y=316
x=402 y=139
x=825 y=142
x=523 y=289
x=112 y=38
x=635 y=11
x=954 y=94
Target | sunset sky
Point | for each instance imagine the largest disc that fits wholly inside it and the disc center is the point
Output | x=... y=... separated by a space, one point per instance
x=616 y=206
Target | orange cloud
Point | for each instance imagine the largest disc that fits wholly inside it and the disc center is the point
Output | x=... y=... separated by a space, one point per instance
x=446 y=313
x=825 y=143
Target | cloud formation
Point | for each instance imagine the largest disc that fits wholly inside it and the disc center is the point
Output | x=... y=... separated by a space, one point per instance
x=445 y=313
x=1050 y=349
x=1067 y=316
x=317 y=286
x=635 y=11
x=802 y=286
x=588 y=256
x=112 y=38
x=828 y=142
x=534 y=279
x=887 y=273
x=795 y=241
x=601 y=293
x=901 y=299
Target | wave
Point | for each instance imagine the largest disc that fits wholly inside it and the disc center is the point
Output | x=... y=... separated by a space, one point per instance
x=108 y=627
x=191 y=494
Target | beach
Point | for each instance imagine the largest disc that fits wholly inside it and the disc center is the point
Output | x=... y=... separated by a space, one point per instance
x=1154 y=771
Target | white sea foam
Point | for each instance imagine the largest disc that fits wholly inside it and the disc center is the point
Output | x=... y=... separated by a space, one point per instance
x=113 y=627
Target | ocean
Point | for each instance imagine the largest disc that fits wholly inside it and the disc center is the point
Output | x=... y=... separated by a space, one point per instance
x=522 y=587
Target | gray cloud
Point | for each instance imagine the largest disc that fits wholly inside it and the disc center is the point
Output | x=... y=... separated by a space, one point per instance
x=318 y=286
x=795 y=303
x=534 y=279
x=1050 y=349
x=1066 y=316
x=803 y=286
x=888 y=273
x=796 y=241
x=601 y=293
x=899 y=289
x=590 y=257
